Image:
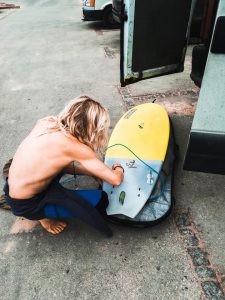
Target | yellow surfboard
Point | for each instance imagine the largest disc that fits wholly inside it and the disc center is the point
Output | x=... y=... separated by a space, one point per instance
x=139 y=143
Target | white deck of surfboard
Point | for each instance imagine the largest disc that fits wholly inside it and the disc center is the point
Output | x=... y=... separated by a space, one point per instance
x=138 y=183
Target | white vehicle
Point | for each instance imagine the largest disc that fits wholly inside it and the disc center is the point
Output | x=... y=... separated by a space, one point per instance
x=94 y=10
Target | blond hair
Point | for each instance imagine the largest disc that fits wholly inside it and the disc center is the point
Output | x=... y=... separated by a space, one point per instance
x=87 y=120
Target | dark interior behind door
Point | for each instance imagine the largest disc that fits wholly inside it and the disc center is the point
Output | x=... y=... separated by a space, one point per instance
x=160 y=29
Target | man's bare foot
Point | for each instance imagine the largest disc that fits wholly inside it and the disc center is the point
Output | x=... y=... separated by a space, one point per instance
x=53 y=226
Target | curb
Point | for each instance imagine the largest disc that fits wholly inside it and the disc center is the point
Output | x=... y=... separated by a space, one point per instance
x=212 y=283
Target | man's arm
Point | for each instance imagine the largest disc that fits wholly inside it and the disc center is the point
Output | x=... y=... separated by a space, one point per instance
x=91 y=165
x=100 y=170
x=75 y=168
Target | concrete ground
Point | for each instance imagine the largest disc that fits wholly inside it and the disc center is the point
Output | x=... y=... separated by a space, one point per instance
x=47 y=57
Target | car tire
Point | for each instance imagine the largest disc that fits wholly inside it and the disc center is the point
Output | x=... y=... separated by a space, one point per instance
x=108 y=20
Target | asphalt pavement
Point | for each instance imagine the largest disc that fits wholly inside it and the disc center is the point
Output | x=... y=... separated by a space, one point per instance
x=48 y=56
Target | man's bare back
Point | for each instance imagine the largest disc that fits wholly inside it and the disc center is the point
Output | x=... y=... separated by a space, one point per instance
x=39 y=158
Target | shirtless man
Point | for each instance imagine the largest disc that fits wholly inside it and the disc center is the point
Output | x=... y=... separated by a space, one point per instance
x=53 y=145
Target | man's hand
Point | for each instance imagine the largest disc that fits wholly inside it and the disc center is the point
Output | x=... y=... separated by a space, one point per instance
x=117 y=166
x=119 y=170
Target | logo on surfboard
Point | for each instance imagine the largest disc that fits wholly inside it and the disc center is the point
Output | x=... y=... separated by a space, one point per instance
x=130 y=113
x=131 y=164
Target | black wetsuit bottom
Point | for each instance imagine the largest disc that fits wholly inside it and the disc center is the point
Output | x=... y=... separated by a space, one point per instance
x=33 y=208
